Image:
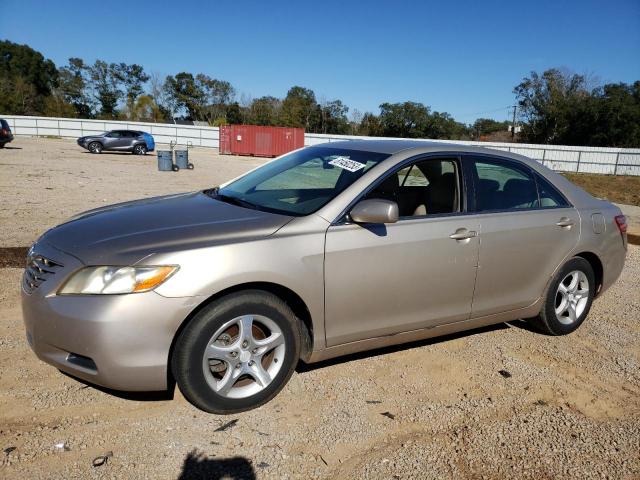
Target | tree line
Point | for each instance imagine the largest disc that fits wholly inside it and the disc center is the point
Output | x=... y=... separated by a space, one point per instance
x=555 y=107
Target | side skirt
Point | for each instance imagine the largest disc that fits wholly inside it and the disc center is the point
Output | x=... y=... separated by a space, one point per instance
x=422 y=334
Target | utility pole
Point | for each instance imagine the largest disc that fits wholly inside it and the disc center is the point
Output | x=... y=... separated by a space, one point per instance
x=513 y=123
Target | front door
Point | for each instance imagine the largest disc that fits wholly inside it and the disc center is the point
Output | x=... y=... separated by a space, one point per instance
x=116 y=140
x=385 y=279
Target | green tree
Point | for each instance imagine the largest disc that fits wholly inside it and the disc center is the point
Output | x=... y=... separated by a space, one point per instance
x=555 y=107
x=217 y=97
x=299 y=108
x=186 y=94
x=132 y=78
x=19 y=97
x=441 y=125
x=145 y=109
x=406 y=120
x=23 y=61
x=370 y=126
x=333 y=116
x=106 y=85
x=487 y=126
x=617 y=118
x=26 y=79
x=233 y=114
x=73 y=84
x=264 y=111
x=55 y=105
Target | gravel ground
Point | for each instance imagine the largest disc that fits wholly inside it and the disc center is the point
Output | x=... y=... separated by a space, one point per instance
x=44 y=181
x=563 y=407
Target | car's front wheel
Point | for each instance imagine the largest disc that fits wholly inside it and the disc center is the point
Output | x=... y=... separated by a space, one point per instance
x=95 y=147
x=237 y=353
x=568 y=298
x=140 y=150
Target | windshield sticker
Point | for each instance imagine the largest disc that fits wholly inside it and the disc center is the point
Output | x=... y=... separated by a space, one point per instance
x=347 y=164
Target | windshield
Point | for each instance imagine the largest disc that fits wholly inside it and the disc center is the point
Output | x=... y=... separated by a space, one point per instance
x=302 y=182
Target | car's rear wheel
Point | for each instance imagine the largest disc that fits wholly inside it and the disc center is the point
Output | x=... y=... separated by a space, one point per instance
x=237 y=353
x=569 y=298
x=95 y=147
x=140 y=150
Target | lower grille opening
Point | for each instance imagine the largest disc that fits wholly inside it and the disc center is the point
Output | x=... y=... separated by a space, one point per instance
x=82 y=361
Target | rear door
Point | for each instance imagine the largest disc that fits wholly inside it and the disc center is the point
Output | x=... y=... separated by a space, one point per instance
x=527 y=228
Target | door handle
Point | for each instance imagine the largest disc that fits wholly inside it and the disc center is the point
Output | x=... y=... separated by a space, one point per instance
x=565 y=222
x=463 y=234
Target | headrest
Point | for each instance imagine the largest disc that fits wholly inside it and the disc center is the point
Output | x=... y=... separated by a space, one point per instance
x=519 y=186
x=487 y=185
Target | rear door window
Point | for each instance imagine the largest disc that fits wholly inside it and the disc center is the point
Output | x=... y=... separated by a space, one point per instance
x=504 y=185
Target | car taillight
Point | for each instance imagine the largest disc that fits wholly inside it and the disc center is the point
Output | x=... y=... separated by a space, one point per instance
x=621 y=222
x=5 y=131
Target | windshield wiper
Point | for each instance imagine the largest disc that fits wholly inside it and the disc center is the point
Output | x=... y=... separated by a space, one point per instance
x=215 y=193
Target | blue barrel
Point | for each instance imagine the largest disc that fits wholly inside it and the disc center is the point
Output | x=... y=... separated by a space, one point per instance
x=182 y=159
x=165 y=161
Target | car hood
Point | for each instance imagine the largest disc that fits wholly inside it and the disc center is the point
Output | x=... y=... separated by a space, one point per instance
x=127 y=232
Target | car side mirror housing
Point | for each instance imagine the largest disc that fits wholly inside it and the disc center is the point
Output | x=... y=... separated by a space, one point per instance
x=375 y=210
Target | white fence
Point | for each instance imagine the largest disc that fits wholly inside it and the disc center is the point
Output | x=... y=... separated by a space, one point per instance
x=621 y=161
x=74 y=128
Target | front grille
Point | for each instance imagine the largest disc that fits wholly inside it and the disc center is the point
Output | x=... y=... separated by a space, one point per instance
x=38 y=270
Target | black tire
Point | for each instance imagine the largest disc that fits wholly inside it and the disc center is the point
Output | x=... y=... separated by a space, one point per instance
x=95 y=147
x=190 y=166
x=547 y=321
x=188 y=353
x=140 y=149
x=1 y=145
x=175 y=168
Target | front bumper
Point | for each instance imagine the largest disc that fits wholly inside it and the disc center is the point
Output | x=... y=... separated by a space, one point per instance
x=116 y=341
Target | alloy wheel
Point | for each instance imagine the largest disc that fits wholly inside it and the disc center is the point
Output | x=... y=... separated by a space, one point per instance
x=244 y=356
x=572 y=297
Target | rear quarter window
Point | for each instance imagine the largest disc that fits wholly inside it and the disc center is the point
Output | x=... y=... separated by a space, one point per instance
x=550 y=196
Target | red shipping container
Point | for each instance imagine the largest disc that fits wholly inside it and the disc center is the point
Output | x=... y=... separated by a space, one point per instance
x=259 y=141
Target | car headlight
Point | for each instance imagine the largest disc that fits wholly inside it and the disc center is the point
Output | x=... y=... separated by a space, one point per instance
x=116 y=280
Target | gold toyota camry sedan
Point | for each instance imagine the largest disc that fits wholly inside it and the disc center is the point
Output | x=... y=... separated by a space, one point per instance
x=328 y=250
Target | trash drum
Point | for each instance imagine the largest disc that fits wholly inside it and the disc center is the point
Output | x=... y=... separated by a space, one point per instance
x=165 y=161
x=182 y=159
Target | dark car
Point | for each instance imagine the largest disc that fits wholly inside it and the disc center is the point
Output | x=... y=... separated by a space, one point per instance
x=119 y=140
x=5 y=133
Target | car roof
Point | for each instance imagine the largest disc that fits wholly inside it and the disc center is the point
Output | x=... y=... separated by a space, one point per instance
x=382 y=146
x=408 y=148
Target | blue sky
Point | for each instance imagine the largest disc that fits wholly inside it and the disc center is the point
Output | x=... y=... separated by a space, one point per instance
x=463 y=57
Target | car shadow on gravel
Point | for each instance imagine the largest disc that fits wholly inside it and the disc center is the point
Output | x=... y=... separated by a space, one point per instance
x=134 y=396
x=308 y=367
x=115 y=152
x=198 y=466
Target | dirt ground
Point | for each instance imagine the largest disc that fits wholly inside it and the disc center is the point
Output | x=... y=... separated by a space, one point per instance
x=501 y=402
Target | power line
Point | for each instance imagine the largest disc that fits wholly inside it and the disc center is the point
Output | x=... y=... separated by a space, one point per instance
x=486 y=111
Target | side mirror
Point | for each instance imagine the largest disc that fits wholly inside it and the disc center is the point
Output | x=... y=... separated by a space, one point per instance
x=375 y=210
